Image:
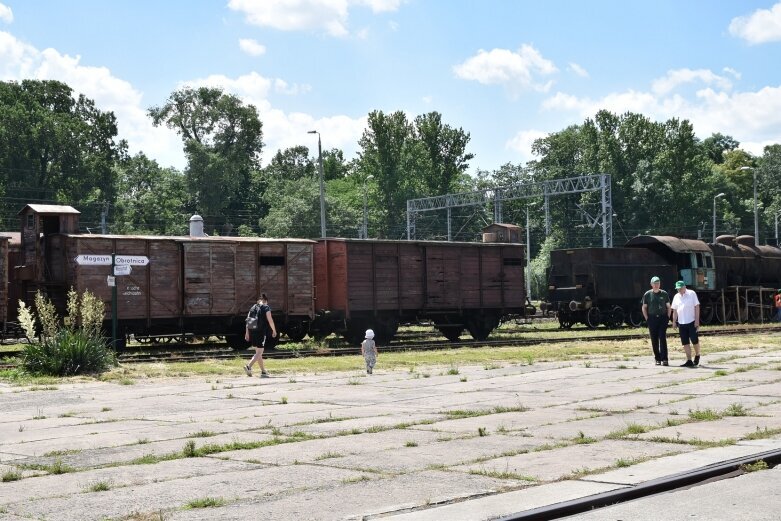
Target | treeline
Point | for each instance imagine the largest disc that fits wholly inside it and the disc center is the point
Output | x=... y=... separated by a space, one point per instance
x=56 y=146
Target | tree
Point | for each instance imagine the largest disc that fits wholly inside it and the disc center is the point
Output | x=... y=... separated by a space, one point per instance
x=57 y=147
x=445 y=153
x=222 y=142
x=389 y=154
x=151 y=200
x=716 y=145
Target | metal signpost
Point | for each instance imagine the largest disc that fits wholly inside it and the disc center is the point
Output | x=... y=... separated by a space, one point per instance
x=120 y=265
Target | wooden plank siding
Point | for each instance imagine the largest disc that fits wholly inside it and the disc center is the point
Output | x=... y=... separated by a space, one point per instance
x=376 y=276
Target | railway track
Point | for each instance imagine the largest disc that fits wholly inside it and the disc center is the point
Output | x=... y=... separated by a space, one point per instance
x=406 y=342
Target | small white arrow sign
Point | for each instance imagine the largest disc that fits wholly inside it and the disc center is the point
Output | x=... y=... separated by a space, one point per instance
x=131 y=260
x=123 y=269
x=93 y=260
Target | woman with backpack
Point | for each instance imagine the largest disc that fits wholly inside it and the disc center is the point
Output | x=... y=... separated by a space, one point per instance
x=260 y=333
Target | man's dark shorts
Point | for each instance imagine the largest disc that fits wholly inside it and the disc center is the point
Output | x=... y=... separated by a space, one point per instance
x=688 y=333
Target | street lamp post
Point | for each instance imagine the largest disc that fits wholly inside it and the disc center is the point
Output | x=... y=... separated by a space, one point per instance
x=756 y=211
x=777 y=215
x=722 y=194
x=528 y=257
x=322 y=190
x=366 y=207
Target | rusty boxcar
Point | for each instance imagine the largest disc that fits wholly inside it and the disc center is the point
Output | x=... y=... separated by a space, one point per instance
x=379 y=284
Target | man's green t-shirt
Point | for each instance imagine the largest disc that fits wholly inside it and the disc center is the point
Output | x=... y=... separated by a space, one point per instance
x=656 y=302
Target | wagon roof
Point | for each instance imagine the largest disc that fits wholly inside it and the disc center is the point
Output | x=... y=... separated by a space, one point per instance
x=50 y=208
x=674 y=243
x=391 y=241
x=13 y=237
x=184 y=238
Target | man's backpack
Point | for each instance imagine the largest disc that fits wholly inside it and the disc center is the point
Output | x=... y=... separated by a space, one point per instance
x=252 y=318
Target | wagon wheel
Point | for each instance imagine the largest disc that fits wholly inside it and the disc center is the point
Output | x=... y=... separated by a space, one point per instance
x=593 y=317
x=635 y=318
x=452 y=333
x=296 y=330
x=616 y=317
x=480 y=327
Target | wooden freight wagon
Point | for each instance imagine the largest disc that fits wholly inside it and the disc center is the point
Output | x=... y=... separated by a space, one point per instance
x=379 y=284
x=4 y=311
x=190 y=285
x=176 y=286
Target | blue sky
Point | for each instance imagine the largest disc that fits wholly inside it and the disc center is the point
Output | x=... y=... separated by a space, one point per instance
x=505 y=71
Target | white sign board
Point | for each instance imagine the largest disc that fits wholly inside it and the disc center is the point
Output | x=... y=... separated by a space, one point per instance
x=93 y=260
x=131 y=260
x=124 y=269
x=111 y=281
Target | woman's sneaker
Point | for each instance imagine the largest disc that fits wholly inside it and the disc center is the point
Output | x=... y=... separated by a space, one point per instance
x=264 y=374
x=248 y=370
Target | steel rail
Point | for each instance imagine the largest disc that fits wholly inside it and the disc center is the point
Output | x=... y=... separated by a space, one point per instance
x=649 y=488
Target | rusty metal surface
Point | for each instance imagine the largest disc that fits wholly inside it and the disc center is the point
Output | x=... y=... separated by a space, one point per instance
x=673 y=243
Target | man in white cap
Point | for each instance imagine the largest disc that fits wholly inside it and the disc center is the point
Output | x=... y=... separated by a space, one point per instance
x=686 y=314
x=656 y=310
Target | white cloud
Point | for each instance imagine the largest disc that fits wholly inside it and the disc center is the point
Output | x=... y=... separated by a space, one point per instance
x=19 y=60
x=251 y=47
x=578 y=70
x=516 y=71
x=6 y=15
x=522 y=142
x=677 y=77
x=761 y=26
x=330 y=16
x=282 y=87
x=280 y=129
x=752 y=117
x=735 y=74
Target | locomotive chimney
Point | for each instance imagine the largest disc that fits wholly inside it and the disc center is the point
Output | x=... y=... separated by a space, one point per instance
x=196 y=226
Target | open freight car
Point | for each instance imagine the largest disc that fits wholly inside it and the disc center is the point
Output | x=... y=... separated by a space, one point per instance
x=185 y=286
x=379 y=284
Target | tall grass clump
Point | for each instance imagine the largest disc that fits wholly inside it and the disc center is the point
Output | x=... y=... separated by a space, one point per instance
x=72 y=346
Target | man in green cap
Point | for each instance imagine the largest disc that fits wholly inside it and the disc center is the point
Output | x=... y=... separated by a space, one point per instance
x=778 y=305
x=656 y=310
x=686 y=314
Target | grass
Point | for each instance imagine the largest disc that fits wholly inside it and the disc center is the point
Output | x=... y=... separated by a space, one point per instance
x=328 y=455
x=100 y=486
x=411 y=444
x=456 y=414
x=580 y=349
x=11 y=475
x=753 y=467
x=502 y=475
x=206 y=502
x=704 y=415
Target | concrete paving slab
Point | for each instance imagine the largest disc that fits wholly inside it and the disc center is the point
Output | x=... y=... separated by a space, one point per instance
x=363 y=500
x=772 y=390
x=564 y=462
x=670 y=465
x=437 y=455
x=715 y=402
x=176 y=493
x=51 y=486
x=630 y=402
x=509 y=421
x=500 y=505
x=310 y=451
x=85 y=459
x=733 y=427
x=598 y=426
x=361 y=424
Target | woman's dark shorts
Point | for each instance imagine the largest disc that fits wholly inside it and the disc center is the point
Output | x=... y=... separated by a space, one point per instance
x=269 y=342
x=256 y=338
x=688 y=333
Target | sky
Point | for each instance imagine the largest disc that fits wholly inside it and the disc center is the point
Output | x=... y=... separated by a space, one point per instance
x=505 y=71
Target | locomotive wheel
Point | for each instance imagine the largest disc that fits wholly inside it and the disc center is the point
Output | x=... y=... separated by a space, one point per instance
x=635 y=318
x=593 y=318
x=754 y=310
x=708 y=313
x=452 y=333
x=616 y=317
x=566 y=320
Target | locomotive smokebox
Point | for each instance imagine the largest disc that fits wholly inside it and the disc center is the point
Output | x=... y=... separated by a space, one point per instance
x=196 y=226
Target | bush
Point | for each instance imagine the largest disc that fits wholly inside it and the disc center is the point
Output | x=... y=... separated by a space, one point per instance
x=74 y=347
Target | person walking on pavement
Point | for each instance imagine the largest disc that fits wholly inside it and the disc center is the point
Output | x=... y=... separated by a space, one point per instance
x=686 y=314
x=369 y=351
x=656 y=310
x=263 y=335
